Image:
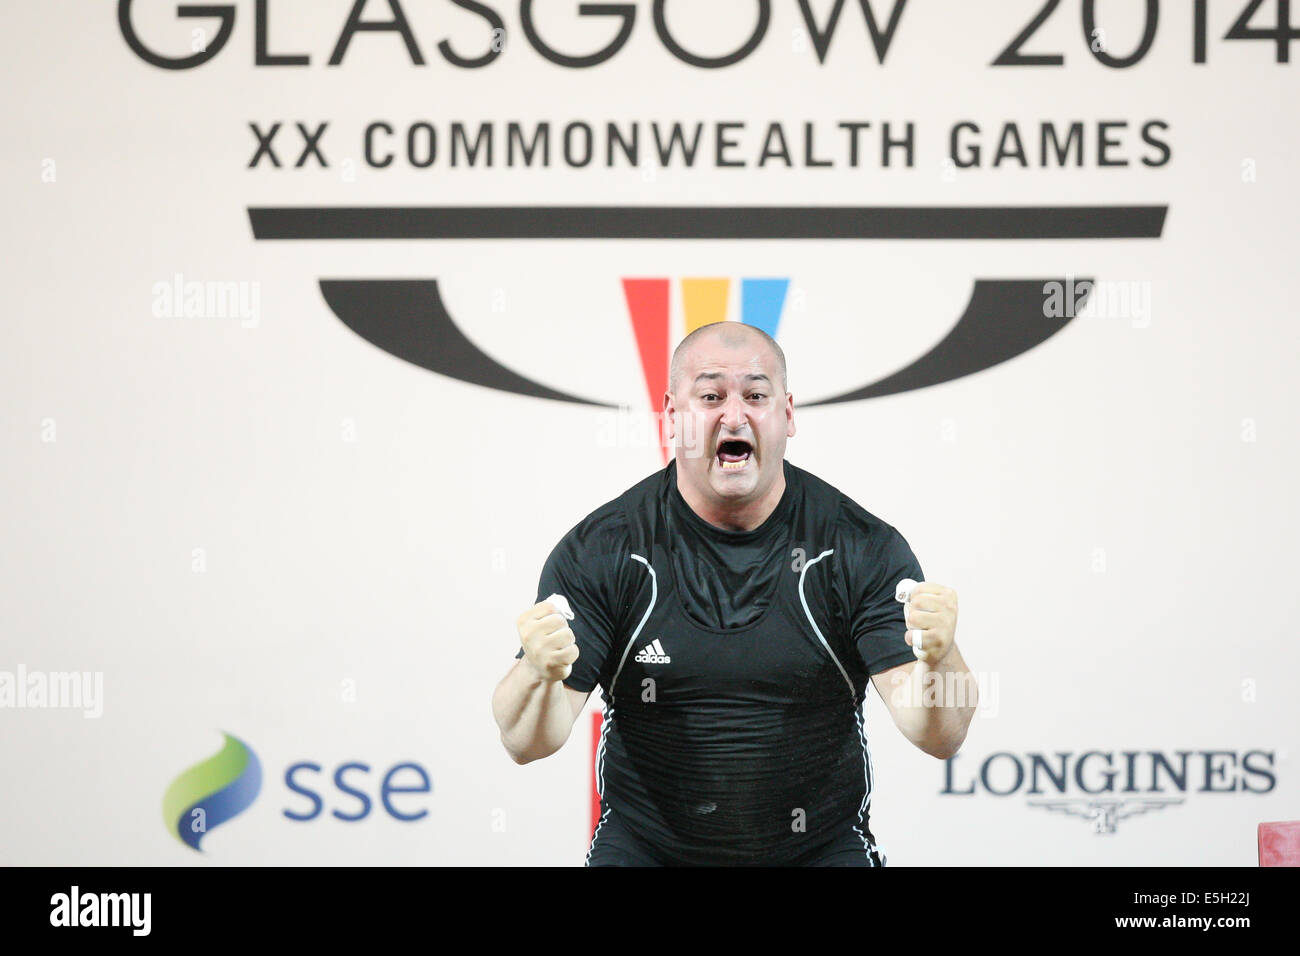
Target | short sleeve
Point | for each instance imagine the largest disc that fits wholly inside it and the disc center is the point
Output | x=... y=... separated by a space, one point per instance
x=878 y=558
x=583 y=567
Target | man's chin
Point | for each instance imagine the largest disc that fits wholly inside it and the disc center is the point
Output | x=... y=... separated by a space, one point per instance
x=733 y=486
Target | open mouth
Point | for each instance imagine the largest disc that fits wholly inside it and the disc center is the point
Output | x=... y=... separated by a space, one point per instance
x=733 y=454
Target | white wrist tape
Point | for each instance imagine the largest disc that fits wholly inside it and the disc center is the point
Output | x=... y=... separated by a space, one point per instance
x=561 y=605
x=902 y=594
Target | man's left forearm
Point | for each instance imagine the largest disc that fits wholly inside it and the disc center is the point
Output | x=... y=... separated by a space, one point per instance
x=933 y=705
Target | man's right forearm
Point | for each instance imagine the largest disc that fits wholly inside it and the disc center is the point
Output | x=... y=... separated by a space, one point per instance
x=534 y=714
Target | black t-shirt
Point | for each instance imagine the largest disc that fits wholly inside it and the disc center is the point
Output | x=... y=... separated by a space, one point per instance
x=733 y=665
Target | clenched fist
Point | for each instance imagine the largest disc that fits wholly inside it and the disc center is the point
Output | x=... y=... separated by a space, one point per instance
x=930 y=612
x=549 y=645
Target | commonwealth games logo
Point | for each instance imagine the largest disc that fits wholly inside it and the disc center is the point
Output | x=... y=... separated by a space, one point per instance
x=1002 y=319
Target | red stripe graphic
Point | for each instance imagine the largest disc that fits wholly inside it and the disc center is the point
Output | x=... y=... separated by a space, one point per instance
x=647 y=304
x=596 y=722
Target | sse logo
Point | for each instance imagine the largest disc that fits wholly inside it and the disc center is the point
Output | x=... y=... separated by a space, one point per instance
x=221 y=787
x=212 y=792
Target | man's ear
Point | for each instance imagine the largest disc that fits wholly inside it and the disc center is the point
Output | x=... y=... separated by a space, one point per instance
x=789 y=414
x=670 y=413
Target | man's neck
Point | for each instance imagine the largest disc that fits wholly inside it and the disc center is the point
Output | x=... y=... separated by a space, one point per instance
x=734 y=516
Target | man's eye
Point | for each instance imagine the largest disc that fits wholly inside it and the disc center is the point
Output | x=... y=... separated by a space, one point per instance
x=758 y=395
x=710 y=395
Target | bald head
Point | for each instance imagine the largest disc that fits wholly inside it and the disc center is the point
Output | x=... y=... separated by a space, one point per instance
x=728 y=334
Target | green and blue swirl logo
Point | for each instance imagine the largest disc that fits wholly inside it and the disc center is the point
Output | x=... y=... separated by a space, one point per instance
x=212 y=792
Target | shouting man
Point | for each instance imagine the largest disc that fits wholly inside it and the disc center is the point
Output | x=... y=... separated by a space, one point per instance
x=733 y=607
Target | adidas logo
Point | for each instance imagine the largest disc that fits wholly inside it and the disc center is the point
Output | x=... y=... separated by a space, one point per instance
x=653 y=653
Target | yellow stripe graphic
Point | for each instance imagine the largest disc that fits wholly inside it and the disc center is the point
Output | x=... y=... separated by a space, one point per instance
x=705 y=301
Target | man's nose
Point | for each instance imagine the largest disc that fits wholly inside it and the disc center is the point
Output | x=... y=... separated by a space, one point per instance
x=733 y=413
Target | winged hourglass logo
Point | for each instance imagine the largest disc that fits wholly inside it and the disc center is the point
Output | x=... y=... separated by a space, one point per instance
x=1105 y=813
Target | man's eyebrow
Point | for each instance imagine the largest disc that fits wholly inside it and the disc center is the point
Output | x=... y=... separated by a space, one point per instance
x=751 y=377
